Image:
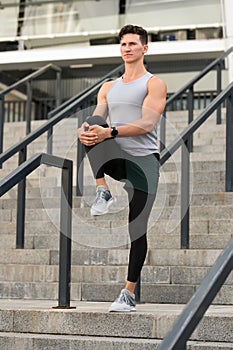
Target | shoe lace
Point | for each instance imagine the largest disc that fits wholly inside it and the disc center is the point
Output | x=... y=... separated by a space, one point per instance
x=99 y=197
x=123 y=298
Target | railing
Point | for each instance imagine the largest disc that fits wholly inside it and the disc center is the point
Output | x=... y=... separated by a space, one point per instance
x=184 y=141
x=27 y=80
x=15 y=110
x=56 y=116
x=82 y=99
x=176 y=338
x=201 y=99
x=18 y=176
x=188 y=88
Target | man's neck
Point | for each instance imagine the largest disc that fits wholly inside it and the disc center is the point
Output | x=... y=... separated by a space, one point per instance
x=133 y=72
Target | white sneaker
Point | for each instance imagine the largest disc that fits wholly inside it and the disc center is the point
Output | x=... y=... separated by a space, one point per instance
x=103 y=201
x=124 y=303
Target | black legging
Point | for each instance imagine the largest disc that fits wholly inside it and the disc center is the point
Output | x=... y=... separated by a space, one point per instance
x=105 y=159
x=140 y=205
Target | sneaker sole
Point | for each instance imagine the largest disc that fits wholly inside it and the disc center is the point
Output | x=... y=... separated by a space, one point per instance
x=98 y=213
x=133 y=309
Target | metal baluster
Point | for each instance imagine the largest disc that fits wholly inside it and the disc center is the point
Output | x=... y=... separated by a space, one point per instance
x=21 y=204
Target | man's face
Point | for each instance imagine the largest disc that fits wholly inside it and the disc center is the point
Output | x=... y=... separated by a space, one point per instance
x=131 y=48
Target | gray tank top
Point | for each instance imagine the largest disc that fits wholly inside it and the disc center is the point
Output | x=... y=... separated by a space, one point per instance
x=124 y=106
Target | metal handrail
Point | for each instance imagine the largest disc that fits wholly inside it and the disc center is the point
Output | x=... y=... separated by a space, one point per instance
x=55 y=116
x=193 y=81
x=189 y=86
x=105 y=78
x=182 y=329
x=27 y=80
x=30 y=77
x=18 y=176
x=192 y=127
x=177 y=337
x=183 y=140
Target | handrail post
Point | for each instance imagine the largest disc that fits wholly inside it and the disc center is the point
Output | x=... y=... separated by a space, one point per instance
x=190 y=114
x=193 y=312
x=50 y=140
x=2 y=117
x=58 y=88
x=185 y=194
x=65 y=238
x=219 y=89
x=21 y=198
x=80 y=156
x=229 y=144
x=58 y=102
x=28 y=107
x=163 y=131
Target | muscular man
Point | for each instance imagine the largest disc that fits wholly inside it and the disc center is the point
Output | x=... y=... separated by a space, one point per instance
x=126 y=149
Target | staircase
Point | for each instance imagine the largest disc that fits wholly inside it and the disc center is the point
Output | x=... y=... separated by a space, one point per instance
x=29 y=278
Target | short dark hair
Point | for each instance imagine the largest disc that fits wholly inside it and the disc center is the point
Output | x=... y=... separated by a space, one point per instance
x=131 y=29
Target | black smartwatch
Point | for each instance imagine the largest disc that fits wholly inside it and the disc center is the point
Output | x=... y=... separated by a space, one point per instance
x=114 y=132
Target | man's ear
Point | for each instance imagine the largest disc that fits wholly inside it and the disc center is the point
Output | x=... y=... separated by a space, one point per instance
x=145 y=48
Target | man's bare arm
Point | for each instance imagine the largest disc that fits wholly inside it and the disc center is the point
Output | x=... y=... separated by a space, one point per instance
x=87 y=136
x=152 y=108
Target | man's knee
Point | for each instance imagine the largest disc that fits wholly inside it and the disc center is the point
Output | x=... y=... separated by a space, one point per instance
x=97 y=120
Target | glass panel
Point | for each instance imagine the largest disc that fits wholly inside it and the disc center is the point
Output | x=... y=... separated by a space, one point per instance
x=72 y=17
x=162 y=13
x=99 y=18
x=9 y=19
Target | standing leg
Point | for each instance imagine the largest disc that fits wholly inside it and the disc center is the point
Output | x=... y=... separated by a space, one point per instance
x=139 y=210
x=140 y=205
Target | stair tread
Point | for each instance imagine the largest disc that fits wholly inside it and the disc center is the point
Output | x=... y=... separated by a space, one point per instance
x=92 y=319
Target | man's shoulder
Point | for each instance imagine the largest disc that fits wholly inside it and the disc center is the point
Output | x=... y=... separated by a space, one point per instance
x=107 y=85
x=155 y=81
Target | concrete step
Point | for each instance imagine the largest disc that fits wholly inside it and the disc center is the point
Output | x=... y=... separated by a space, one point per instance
x=163 y=198
x=14 y=340
x=164 y=221
x=160 y=241
x=91 y=321
x=215 y=214
x=168 y=276
x=116 y=256
x=218 y=205
x=104 y=291
x=106 y=273
x=112 y=257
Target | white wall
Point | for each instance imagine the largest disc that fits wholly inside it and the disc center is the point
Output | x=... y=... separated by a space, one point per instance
x=8 y=18
x=228 y=9
x=79 y=16
x=157 y=13
x=175 y=81
x=101 y=16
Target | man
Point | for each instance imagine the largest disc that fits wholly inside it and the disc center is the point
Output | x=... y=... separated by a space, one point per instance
x=127 y=150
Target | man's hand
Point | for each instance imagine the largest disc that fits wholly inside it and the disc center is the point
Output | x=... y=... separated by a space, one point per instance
x=90 y=135
x=102 y=133
x=86 y=137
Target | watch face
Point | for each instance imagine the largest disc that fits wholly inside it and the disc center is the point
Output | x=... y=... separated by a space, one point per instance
x=114 y=132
